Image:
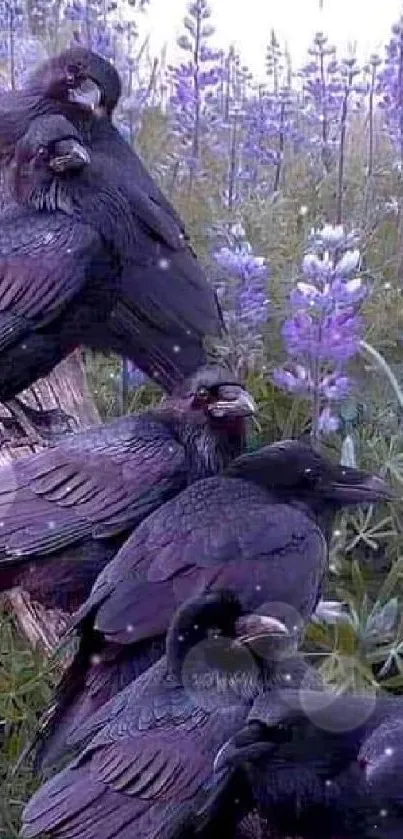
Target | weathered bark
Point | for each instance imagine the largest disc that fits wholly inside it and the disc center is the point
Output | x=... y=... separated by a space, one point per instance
x=66 y=390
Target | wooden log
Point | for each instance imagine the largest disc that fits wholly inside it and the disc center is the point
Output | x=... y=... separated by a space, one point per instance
x=66 y=390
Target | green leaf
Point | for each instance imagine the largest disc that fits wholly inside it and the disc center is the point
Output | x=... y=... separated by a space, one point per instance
x=358 y=581
x=393 y=578
x=383 y=619
x=393 y=681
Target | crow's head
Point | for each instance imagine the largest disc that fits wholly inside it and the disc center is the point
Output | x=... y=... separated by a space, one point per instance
x=381 y=754
x=213 y=392
x=50 y=147
x=299 y=471
x=79 y=77
x=215 y=627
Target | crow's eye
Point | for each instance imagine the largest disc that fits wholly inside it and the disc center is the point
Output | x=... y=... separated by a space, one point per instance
x=281 y=733
x=203 y=393
x=42 y=151
x=72 y=73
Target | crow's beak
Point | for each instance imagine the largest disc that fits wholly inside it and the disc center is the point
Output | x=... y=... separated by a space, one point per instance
x=382 y=766
x=88 y=95
x=252 y=628
x=352 y=486
x=69 y=155
x=245 y=746
x=232 y=401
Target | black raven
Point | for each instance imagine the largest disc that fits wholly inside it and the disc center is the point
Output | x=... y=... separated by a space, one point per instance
x=148 y=762
x=331 y=768
x=64 y=512
x=259 y=529
x=59 y=274
x=166 y=307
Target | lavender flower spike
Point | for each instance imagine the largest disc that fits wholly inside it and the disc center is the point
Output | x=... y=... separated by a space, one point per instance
x=244 y=298
x=324 y=329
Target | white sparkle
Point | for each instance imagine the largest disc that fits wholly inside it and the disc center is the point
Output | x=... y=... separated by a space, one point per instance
x=307 y=471
x=303 y=210
x=195 y=626
x=23 y=346
x=181 y=638
x=176 y=348
x=171 y=449
x=130 y=627
x=336 y=533
x=389 y=751
x=387 y=286
x=51 y=525
x=258 y=587
x=383 y=813
x=1 y=523
x=163 y=264
x=328 y=783
x=288 y=677
x=95 y=660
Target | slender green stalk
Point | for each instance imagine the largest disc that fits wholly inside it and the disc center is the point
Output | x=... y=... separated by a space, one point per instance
x=382 y=364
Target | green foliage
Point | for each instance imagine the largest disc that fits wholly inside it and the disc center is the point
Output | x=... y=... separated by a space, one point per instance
x=26 y=681
x=364 y=646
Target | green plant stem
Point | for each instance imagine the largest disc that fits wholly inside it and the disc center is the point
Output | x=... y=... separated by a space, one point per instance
x=382 y=364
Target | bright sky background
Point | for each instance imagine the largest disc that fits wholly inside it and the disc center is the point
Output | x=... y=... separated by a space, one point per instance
x=247 y=24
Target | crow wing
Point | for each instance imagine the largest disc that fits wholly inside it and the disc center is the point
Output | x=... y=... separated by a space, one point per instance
x=95 y=484
x=149 y=762
x=220 y=532
x=45 y=261
x=165 y=295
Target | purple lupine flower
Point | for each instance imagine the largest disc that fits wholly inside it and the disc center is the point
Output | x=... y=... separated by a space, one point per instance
x=322 y=97
x=244 y=298
x=327 y=422
x=390 y=89
x=371 y=70
x=89 y=20
x=295 y=378
x=269 y=126
x=324 y=329
x=348 y=72
x=195 y=81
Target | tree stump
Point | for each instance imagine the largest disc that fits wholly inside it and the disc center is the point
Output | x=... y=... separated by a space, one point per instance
x=65 y=390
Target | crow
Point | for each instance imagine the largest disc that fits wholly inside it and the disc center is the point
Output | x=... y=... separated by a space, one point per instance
x=64 y=512
x=329 y=766
x=166 y=307
x=61 y=246
x=260 y=529
x=148 y=754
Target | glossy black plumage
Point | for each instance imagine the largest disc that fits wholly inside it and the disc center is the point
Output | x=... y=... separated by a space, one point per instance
x=61 y=252
x=65 y=511
x=259 y=529
x=148 y=761
x=335 y=773
x=167 y=307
